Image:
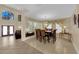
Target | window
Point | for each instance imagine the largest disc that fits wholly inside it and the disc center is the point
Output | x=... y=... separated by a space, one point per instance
x=49 y=26
x=7 y=15
x=59 y=28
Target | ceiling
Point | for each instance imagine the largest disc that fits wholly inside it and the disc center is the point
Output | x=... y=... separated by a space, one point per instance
x=45 y=11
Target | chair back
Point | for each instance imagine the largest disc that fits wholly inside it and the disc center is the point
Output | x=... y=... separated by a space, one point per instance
x=54 y=33
x=42 y=32
x=37 y=33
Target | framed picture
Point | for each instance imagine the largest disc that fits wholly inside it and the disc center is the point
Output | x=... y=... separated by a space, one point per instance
x=74 y=19
x=19 y=18
x=78 y=20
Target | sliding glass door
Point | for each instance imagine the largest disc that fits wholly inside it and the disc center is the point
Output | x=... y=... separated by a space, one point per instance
x=7 y=30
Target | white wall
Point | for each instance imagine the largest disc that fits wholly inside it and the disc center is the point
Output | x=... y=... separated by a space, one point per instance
x=9 y=22
x=74 y=30
x=17 y=25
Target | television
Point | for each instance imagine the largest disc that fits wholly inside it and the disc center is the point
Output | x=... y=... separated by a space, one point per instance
x=7 y=15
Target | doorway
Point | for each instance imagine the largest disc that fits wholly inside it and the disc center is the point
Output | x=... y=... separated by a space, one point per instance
x=7 y=30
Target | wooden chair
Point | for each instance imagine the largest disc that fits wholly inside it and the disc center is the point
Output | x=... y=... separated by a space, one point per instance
x=43 y=36
x=54 y=36
x=38 y=35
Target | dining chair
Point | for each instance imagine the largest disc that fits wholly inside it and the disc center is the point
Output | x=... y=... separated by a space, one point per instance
x=43 y=36
x=38 y=35
x=54 y=36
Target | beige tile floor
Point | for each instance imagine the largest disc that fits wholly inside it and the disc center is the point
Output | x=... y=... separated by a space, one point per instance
x=61 y=46
x=8 y=45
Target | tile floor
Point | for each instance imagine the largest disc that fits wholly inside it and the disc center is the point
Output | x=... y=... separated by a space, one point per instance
x=8 y=45
x=62 y=46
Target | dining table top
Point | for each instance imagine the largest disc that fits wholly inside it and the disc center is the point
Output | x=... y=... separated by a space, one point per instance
x=48 y=31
